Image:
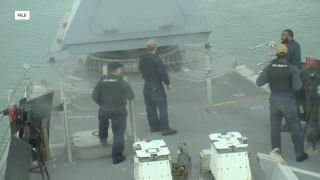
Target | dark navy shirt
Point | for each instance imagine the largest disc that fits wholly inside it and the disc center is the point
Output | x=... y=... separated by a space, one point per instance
x=129 y=95
x=294 y=53
x=296 y=81
x=161 y=69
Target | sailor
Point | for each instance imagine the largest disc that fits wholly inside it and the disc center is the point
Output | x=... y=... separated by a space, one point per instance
x=294 y=49
x=153 y=71
x=283 y=79
x=111 y=94
x=293 y=57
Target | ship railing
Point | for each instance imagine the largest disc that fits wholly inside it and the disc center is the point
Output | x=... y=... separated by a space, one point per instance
x=4 y=155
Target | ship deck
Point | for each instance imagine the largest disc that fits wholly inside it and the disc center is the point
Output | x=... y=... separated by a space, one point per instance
x=246 y=112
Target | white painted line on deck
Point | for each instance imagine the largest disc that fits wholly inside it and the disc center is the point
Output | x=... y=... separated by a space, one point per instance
x=220 y=104
x=79 y=117
x=257 y=108
x=238 y=94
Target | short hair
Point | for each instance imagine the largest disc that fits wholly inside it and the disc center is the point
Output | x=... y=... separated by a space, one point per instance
x=289 y=31
x=152 y=44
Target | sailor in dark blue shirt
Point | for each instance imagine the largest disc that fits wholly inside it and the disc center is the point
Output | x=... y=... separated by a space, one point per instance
x=111 y=94
x=154 y=72
x=283 y=79
x=294 y=56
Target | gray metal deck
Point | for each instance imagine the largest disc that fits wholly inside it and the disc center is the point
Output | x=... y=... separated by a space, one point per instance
x=187 y=102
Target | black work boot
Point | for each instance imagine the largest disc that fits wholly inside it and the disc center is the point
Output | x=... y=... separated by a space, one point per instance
x=119 y=160
x=303 y=157
x=169 y=131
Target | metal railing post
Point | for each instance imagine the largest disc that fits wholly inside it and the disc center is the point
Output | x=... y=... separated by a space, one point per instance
x=4 y=156
x=26 y=81
x=272 y=52
x=10 y=98
x=62 y=91
x=66 y=127
x=129 y=117
x=209 y=88
x=133 y=122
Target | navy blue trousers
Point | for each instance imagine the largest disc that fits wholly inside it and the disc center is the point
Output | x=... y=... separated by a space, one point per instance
x=284 y=105
x=119 y=122
x=155 y=97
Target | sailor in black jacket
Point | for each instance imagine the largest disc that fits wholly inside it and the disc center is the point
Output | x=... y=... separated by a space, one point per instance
x=283 y=79
x=111 y=94
x=153 y=71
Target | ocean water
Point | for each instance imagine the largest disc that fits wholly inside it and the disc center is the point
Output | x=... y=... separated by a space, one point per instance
x=238 y=25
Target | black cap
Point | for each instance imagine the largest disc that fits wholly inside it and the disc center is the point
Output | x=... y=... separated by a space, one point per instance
x=114 y=65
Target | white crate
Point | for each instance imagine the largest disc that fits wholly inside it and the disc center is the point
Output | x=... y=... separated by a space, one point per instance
x=229 y=158
x=146 y=167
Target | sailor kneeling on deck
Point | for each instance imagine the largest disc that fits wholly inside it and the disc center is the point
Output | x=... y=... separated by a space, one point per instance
x=111 y=94
x=154 y=72
x=284 y=79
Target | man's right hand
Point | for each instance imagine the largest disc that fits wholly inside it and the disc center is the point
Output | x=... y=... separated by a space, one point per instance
x=169 y=87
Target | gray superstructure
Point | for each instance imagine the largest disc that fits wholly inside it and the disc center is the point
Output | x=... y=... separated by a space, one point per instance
x=105 y=25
